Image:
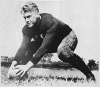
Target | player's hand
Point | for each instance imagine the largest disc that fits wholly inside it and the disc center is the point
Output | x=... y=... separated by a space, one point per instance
x=22 y=70
x=11 y=67
x=9 y=71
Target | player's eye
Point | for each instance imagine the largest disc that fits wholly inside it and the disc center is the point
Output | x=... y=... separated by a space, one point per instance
x=24 y=17
x=29 y=16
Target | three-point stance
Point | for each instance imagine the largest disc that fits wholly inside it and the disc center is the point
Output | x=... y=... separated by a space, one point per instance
x=50 y=35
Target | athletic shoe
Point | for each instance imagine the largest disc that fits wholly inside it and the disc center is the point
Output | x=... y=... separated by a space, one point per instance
x=90 y=77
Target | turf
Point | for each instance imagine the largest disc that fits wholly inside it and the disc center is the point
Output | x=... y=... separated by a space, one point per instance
x=49 y=77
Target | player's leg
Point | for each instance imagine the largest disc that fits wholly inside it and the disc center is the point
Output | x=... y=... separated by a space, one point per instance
x=66 y=54
x=32 y=48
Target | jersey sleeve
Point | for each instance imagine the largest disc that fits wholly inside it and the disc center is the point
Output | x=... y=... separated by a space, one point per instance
x=22 y=49
x=25 y=41
x=46 y=44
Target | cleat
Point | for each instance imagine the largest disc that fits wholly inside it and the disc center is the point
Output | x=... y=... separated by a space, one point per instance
x=90 y=77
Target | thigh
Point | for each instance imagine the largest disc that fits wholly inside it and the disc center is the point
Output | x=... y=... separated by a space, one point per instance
x=70 y=42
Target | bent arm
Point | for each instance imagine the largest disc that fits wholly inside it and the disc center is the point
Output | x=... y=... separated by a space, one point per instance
x=47 y=43
x=21 y=51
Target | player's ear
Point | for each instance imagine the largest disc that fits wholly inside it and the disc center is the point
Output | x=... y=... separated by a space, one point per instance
x=37 y=15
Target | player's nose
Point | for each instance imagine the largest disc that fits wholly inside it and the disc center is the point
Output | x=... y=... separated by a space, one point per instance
x=27 y=20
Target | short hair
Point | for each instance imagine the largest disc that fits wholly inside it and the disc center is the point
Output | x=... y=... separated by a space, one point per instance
x=28 y=7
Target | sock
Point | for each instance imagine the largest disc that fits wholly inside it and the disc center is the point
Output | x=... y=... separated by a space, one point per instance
x=79 y=64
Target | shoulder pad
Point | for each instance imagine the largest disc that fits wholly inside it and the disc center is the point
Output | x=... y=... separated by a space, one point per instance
x=46 y=21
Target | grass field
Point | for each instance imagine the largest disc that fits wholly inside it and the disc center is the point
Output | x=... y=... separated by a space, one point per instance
x=50 y=77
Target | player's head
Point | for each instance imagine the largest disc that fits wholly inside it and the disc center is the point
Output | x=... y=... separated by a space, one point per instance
x=30 y=12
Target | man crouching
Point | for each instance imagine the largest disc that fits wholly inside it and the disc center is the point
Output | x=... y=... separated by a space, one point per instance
x=50 y=35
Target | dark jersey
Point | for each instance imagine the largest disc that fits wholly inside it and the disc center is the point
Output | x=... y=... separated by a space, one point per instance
x=49 y=31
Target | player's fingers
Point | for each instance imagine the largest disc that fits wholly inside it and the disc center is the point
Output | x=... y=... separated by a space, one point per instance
x=16 y=67
x=20 y=72
x=8 y=74
x=23 y=74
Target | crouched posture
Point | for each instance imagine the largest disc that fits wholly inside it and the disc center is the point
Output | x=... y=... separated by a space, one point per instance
x=50 y=35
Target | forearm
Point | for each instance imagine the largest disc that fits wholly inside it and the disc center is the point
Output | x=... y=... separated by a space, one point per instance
x=21 y=51
x=20 y=54
x=38 y=55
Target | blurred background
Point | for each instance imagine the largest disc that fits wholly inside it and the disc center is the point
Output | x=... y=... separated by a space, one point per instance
x=81 y=15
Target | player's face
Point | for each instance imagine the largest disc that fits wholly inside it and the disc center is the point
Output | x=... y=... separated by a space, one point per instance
x=30 y=18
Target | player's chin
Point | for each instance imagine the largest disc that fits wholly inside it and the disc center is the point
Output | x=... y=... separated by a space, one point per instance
x=30 y=25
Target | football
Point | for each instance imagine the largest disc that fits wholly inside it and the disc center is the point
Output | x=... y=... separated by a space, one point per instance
x=12 y=74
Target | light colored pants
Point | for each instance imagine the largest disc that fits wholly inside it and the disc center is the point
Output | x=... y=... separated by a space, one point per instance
x=67 y=46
